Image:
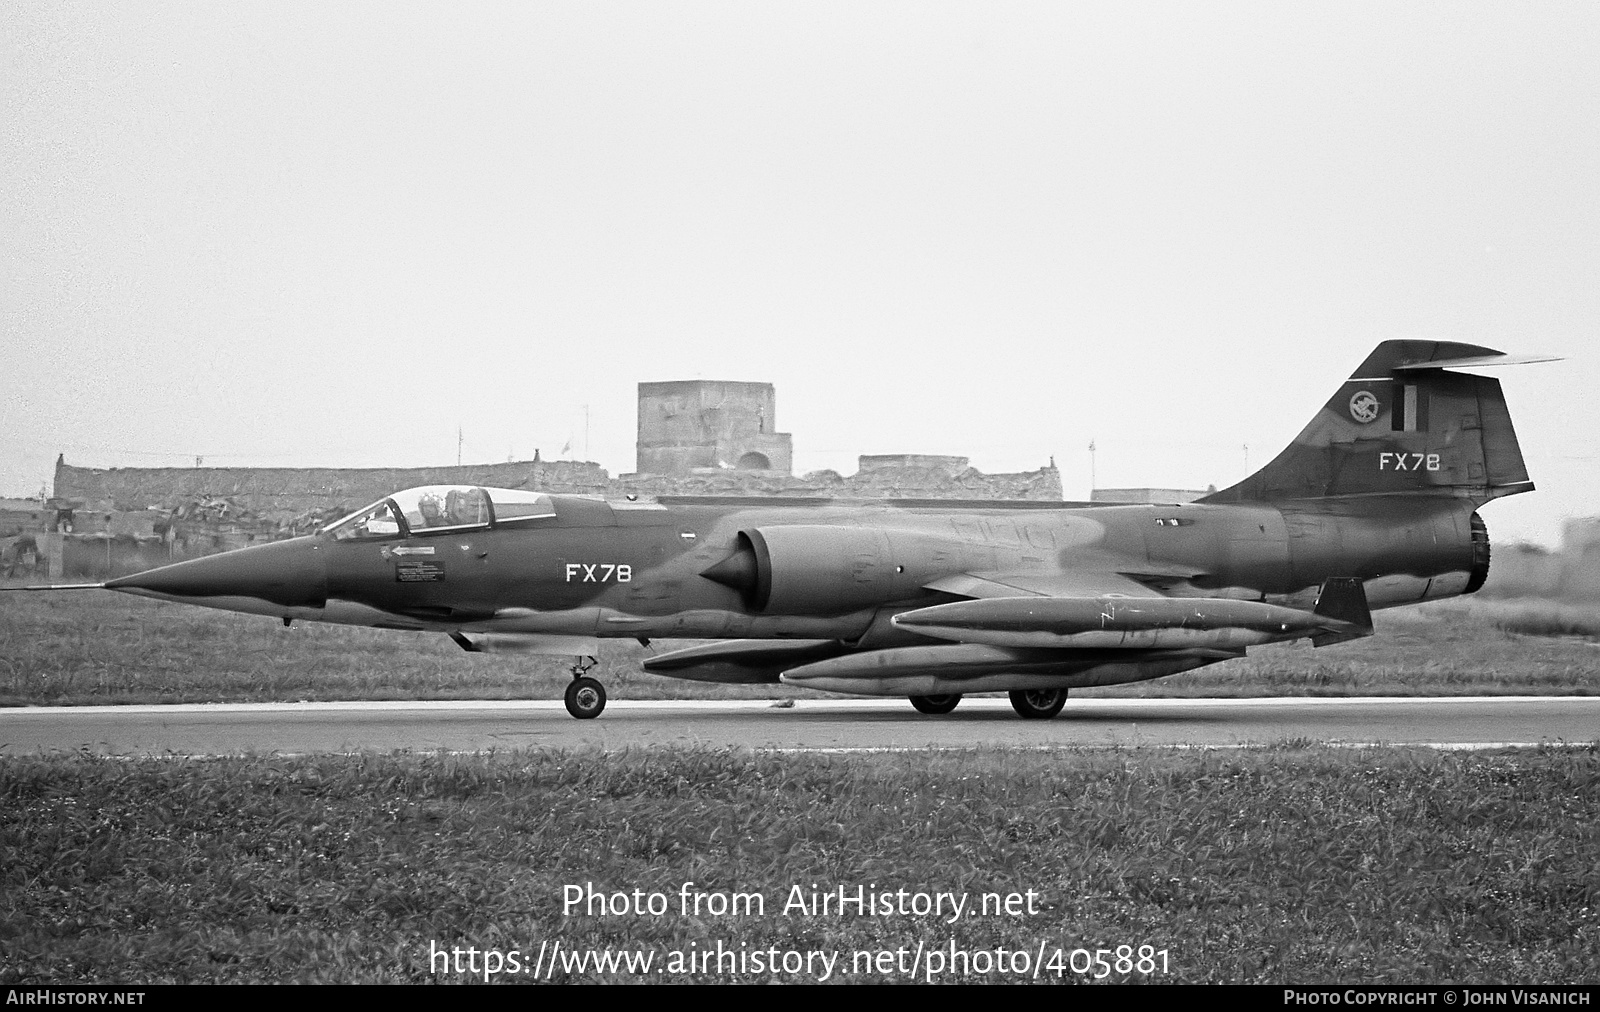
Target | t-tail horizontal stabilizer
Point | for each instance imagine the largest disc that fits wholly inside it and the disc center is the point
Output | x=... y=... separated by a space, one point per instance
x=1343 y=599
x=1402 y=424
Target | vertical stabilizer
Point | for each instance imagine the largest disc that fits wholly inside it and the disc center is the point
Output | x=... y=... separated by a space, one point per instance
x=1402 y=423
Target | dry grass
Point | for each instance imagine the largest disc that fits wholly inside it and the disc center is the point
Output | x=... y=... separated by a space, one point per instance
x=95 y=647
x=1543 y=618
x=1465 y=646
x=1289 y=864
x=107 y=648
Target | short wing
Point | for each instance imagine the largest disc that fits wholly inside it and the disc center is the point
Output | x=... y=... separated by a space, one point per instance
x=1078 y=584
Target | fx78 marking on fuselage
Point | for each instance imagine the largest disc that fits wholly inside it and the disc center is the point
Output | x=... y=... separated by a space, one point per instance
x=600 y=572
x=1408 y=462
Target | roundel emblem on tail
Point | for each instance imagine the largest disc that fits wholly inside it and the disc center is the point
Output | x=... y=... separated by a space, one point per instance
x=1364 y=406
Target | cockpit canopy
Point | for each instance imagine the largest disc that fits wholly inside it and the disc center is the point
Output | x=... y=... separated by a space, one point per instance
x=429 y=509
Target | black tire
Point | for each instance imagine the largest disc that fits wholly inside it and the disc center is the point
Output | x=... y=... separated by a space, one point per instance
x=1038 y=704
x=585 y=698
x=935 y=705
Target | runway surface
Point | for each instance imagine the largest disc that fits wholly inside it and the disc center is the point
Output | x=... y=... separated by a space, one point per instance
x=822 y=725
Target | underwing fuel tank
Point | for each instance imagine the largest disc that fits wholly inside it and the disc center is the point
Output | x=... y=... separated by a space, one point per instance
x=1113 y=623
x=977 y=667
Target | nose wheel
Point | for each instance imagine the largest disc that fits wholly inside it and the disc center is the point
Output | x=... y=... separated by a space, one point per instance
x=585 y=697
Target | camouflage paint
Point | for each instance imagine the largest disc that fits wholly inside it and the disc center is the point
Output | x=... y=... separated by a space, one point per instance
x=1379 y=490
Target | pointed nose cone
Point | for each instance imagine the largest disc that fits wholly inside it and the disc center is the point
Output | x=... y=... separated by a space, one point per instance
x=286 y=573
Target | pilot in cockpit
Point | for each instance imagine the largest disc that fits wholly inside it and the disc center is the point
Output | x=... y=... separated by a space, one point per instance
x=432 y=511
x=463 y=506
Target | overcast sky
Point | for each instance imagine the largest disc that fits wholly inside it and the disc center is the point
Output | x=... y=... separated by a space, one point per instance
x=330 y=234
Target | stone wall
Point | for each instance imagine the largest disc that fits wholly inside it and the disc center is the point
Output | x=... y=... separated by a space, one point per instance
x=265 y=499
x=277 y=495
x=1160 y=496
x=950 y=465
x=884 y=482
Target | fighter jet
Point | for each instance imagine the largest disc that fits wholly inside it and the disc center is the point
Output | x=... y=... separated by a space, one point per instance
x=1373 y=505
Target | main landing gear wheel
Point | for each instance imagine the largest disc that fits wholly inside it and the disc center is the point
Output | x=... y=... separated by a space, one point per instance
x=1038 y=704
x=936 y=705
x=585 y=698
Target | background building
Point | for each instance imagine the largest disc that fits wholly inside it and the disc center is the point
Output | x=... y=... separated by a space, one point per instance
x=694 y=424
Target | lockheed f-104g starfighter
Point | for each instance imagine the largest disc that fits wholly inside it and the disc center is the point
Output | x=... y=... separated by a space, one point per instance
x=1373 y=505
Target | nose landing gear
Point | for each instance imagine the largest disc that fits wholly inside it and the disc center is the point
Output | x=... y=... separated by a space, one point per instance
x=585 y=697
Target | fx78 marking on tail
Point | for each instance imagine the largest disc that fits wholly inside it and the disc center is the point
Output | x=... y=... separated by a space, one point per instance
x=1408 y=462
x=600 y=572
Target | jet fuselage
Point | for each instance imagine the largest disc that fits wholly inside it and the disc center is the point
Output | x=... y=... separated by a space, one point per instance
x=598 y=569
x=1372 y=505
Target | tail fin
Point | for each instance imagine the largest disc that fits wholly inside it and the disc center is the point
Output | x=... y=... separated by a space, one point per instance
x=1402 y=423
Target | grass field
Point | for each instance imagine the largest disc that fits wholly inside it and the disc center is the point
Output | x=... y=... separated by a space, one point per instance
x=1287 y=864
x=1294 y=863
x=95 y=647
